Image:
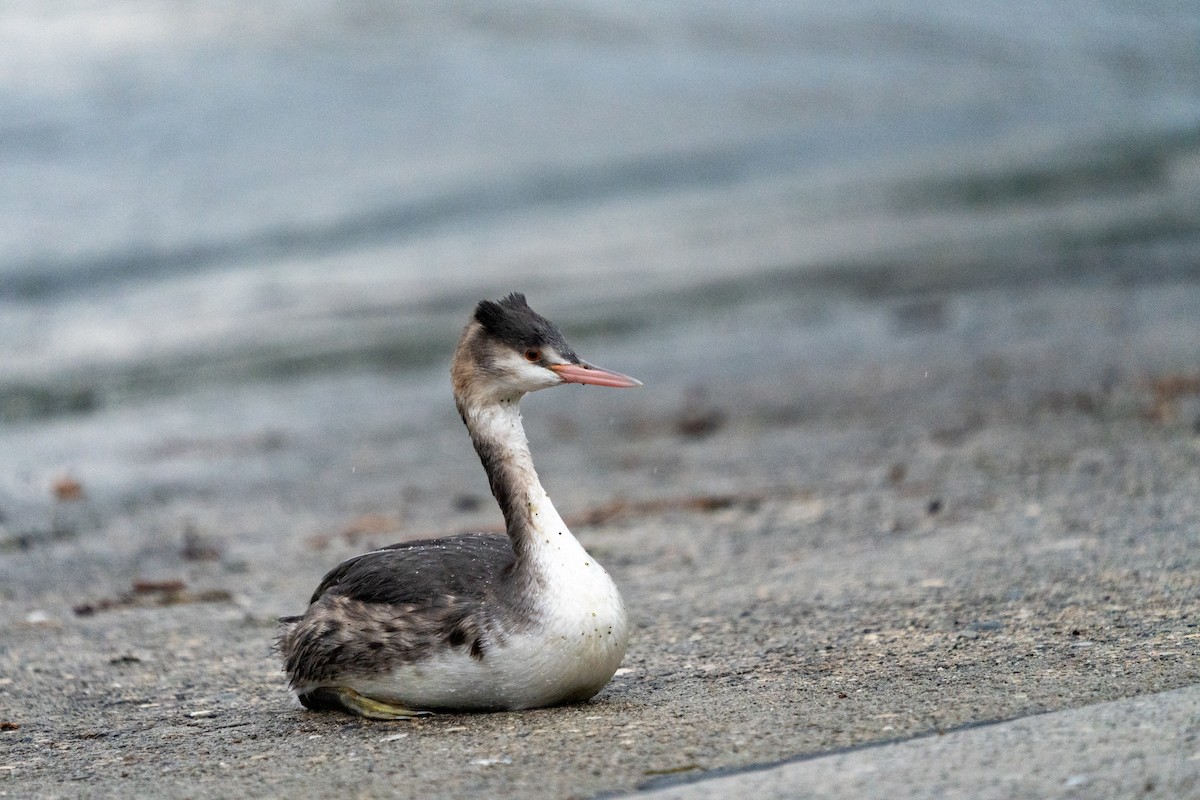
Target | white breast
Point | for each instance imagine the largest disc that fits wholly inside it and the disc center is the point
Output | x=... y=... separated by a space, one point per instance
x=569 y=655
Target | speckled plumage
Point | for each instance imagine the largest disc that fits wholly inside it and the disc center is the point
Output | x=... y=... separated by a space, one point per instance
x=477 y=621
x=362 y=619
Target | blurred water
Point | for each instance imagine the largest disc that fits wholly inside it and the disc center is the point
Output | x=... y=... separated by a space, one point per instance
x=225 y=191
x=237 y=240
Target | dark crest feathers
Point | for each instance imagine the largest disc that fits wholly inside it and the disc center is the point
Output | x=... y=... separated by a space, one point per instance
x=514 y=323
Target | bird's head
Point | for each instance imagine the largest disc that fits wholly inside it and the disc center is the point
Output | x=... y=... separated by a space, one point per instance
x=508 y=349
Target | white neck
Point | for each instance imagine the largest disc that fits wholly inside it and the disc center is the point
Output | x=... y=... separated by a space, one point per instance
x=499 y=439
x=560 y=584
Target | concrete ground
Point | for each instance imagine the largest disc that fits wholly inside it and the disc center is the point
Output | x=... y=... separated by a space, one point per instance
x=854 y=534
x=1142 y=746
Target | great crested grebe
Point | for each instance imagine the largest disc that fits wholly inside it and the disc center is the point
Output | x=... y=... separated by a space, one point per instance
x=480 y=621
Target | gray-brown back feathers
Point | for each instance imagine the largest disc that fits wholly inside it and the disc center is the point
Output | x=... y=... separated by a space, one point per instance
x=403 y=603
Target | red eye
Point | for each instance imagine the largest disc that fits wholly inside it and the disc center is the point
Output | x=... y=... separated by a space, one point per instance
x=533 y=355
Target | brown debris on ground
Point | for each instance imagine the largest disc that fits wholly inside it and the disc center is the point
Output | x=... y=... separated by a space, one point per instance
x=150 y=593
x=1168 y=390
x=67 y=489
x=624 y=509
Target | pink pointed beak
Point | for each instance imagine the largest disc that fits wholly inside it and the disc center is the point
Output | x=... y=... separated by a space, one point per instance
x=586 y=373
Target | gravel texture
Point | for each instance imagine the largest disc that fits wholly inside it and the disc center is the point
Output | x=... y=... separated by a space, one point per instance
x=837 y=521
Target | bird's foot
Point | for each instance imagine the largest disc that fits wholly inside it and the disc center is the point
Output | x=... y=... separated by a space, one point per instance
x=343 y=698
